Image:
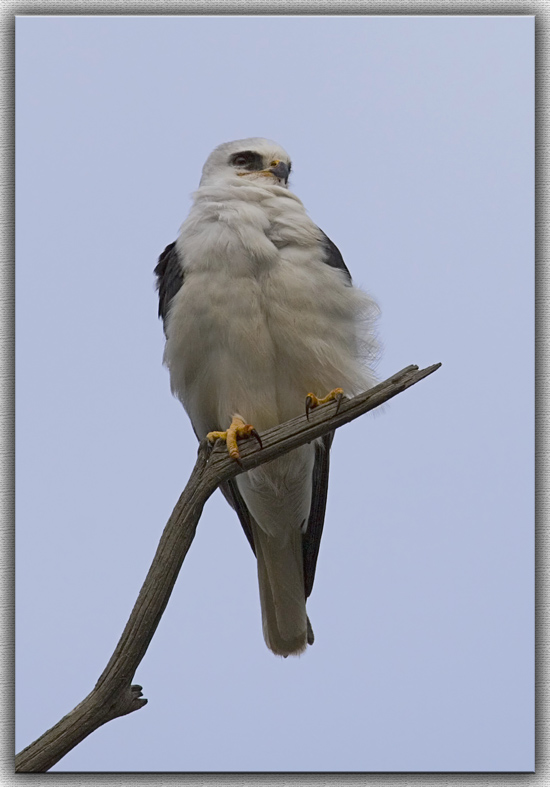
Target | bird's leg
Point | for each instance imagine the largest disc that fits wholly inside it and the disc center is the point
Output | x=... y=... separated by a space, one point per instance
x=313 y=401
x=238 y=429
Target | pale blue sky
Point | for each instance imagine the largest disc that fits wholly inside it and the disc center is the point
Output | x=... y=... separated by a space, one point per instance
x=412 y=147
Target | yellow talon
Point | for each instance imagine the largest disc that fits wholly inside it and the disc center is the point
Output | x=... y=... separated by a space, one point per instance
x=238 y=429
x=313 y=401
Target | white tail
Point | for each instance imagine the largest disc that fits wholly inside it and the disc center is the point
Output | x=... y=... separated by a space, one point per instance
x=282 y=597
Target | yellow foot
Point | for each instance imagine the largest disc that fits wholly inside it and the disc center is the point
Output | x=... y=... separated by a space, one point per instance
x=313 y=401
x=238 y=429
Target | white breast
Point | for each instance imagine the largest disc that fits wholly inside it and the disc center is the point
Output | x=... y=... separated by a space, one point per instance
x=261 y=320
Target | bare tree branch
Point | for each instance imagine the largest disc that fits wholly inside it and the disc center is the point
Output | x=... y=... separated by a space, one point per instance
x=113 y=694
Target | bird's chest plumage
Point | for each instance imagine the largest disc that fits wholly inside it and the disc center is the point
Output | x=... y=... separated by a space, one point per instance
x=249 y=329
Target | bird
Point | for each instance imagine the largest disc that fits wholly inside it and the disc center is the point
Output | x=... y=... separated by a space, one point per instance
x=262 y=320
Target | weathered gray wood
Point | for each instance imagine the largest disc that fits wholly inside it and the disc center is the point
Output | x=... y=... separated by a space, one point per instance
x=113 y=694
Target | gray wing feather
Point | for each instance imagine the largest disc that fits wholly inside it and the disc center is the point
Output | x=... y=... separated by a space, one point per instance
x=169 y=273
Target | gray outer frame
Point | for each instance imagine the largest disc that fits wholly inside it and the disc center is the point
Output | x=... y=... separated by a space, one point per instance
x=7 y=297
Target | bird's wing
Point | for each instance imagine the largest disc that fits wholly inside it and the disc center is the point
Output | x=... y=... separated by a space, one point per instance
x=311 y=538
x=169 y=272
x=231 y=493
x=333 y=256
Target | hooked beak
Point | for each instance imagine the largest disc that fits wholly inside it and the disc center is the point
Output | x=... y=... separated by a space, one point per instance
x=280 y=170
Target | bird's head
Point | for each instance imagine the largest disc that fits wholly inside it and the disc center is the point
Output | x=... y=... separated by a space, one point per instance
x=246 y=160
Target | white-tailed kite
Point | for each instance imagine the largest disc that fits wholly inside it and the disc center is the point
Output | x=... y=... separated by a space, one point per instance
x=259 y=313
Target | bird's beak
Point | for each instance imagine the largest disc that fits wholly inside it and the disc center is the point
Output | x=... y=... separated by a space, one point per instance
x=280 y=170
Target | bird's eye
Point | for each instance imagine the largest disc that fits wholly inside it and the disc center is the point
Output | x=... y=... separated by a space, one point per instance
x=248 y=159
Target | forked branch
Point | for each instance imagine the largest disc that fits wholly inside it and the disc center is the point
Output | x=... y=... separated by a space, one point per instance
x=113 y=694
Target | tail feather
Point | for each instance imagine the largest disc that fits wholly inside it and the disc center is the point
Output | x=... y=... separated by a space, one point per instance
x=281 y=579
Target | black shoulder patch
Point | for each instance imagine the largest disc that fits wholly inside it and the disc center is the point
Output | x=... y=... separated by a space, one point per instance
x=169 y=275
x=333 y=256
